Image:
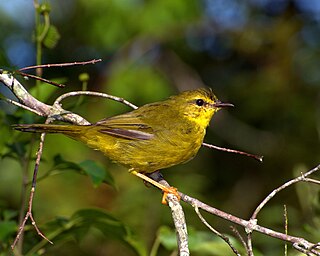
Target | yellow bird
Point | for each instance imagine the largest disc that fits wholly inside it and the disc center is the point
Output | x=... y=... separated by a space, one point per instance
x=153 y=137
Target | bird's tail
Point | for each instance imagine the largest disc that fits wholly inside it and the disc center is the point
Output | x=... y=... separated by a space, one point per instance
x=49 y=128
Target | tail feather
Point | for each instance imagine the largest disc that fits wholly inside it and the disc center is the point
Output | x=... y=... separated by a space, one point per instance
x=49 y=128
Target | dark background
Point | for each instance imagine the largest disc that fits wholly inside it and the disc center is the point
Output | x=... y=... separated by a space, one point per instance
x=260 y=55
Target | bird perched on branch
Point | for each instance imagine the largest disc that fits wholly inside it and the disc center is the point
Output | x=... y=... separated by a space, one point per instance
x=153 y=137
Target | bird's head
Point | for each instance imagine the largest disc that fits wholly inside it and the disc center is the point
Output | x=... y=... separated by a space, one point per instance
x=198 y=105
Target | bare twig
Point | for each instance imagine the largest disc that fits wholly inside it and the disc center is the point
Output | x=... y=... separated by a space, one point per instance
x=179 y=220
x=258 y=158
x=234 y=230
x=180 y=224
x=27 y=216
x=40 y=79
x=312 y=181
x=94 y=61
x=33 y=188
x=252 y=225
x=26 y=99
x=285 y=215
x=308 y=251
x=222 y=236
x=90 y=93
x=24 y=107
x=249 y=244
x=285 y=185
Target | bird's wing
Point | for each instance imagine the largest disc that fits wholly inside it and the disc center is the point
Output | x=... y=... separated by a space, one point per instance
x=127 y=126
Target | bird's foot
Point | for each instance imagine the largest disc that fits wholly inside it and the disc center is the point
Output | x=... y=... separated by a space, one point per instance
x=169 y=190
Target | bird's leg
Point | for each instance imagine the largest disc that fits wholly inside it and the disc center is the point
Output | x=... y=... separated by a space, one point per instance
x=157 y=176
x=166 y=190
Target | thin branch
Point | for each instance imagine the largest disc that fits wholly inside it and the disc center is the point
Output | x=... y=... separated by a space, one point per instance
x=245 y=245
x=33 y=188
x=23 y=224
x=305 y=251
x=40 y=79
x=24 y=97
x=91 y=93
x=250 y=225
x=66 y=64
x=285 y=215
x=258 y=158
x=249 y=244
x=285 y=185
x=24 y=107
x=223 y=237
x=180 y=224
x=178 y=217
x=312 y=181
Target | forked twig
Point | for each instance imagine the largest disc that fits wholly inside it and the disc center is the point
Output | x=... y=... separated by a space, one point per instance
x=222 y=236
x=67 y=64
x=245 y=245
x=302 y=177
x=33 y=188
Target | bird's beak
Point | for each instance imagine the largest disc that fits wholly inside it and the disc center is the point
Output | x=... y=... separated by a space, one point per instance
x=219 y=104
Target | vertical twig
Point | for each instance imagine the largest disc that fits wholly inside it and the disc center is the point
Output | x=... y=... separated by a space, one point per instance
x=25 y=172
x=180 y=224
x=38 y=38
x=285 y=215
x=32 y=191
x=223 y=237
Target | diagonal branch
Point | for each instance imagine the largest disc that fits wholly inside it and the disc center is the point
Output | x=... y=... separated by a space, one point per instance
x=252 y=225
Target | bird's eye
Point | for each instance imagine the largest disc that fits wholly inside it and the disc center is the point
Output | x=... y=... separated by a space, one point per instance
x=200 y=102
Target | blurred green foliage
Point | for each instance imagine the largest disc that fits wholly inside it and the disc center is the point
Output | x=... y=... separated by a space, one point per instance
x=263 y=56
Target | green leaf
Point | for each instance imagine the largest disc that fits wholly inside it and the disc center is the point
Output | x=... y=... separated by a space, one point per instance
x=52 y=37
x=95 y=171
x=43 y=91
x=81 y=223
x=110 y=227
x=9 y=214
x=16 y=150
x=59 y=163
x=7 y=228
x=200 y=242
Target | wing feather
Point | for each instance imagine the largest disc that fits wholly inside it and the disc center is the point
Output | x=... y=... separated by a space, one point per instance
x=127 y=126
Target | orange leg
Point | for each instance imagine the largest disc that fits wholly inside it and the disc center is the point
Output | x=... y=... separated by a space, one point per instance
x=166 y=190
